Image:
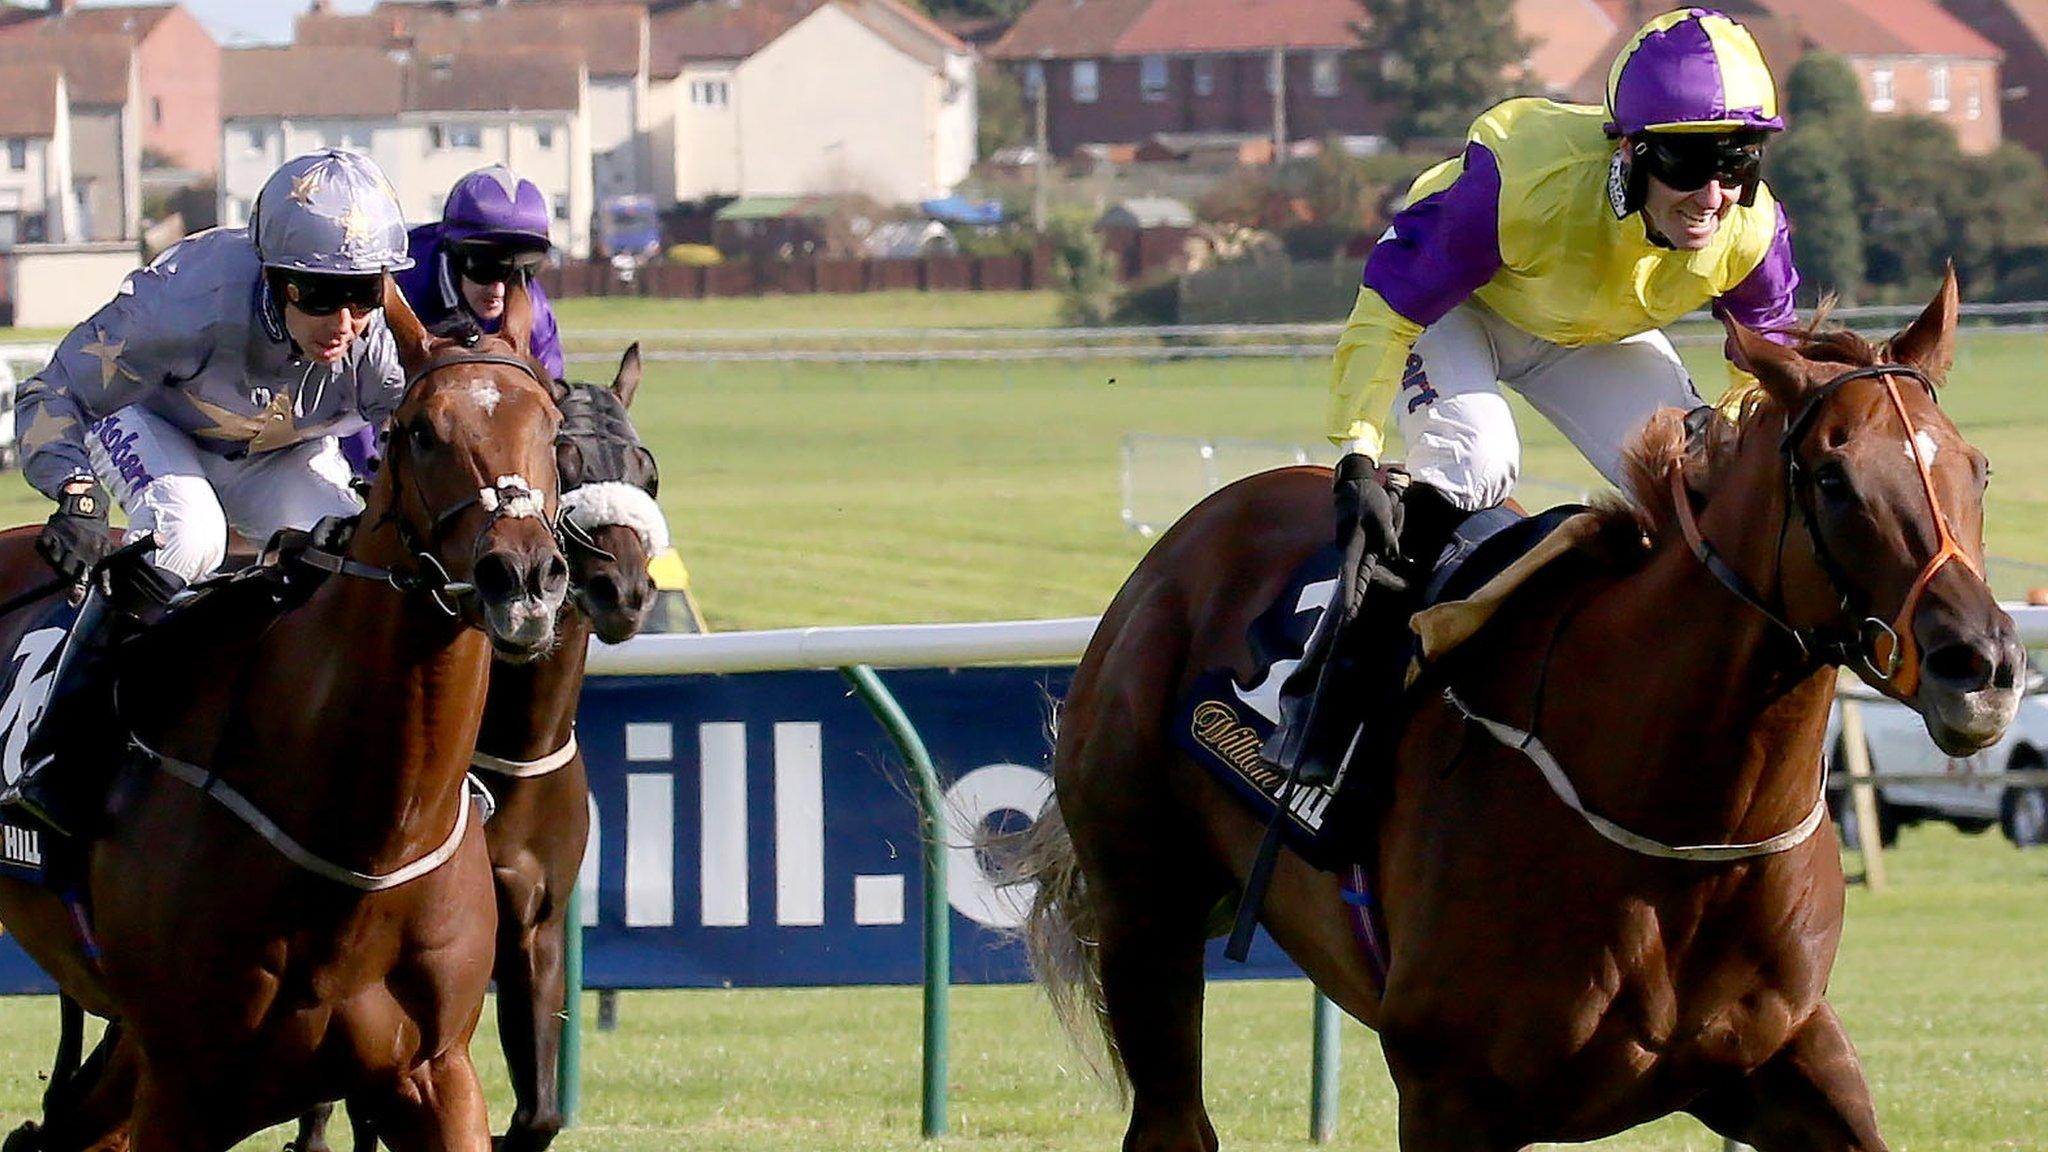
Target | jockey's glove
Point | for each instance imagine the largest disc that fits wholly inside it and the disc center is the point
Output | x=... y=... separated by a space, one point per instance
x=1366 y=512
x=75 y=538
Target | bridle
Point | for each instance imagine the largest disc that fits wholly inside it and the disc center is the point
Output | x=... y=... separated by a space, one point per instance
x=508 y=496
x=1858 y=635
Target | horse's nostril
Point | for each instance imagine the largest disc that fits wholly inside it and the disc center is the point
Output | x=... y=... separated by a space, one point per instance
x=603 y=592
x=496 y=581
x=1968 y=666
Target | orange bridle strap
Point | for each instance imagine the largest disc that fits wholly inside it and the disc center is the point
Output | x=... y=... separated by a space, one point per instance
x=1901 y=630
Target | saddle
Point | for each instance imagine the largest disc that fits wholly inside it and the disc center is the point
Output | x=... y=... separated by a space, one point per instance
x=1223 y=721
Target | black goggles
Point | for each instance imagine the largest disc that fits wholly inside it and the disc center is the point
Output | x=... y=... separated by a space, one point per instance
x=1685 y=162
x=326 y=295
x=495 y=266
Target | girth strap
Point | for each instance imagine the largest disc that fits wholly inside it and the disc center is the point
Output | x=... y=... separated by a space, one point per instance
x=1528 y=745
x=526 y=769
x=220 y=790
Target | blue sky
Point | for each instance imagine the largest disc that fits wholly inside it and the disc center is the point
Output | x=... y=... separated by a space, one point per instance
x=249 y=21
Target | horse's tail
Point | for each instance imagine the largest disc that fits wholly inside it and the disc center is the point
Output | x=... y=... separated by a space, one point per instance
x=1060 y=934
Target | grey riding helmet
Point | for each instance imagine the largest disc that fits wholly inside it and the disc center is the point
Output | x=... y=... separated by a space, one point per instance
x=330 y=212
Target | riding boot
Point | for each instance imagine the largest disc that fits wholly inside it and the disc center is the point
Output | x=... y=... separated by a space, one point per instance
x=1302 y=746
x=1428 y=522
x=76 y=743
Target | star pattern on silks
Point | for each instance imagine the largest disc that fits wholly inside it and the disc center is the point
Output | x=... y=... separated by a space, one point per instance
x=46 y=428
x=358 y=226
x=108 y=353
x=305 y=187
x=271 y=427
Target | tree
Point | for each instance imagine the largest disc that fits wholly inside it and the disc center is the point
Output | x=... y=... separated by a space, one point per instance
x=1809 y=174
x=1438 y=63
x=1000 y=109
x=1822 y=86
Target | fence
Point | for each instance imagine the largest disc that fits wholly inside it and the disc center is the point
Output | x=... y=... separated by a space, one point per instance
x=802 y=276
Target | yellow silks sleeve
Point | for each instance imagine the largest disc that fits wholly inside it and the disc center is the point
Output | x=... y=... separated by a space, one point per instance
x=1739 y=381
x=1365 y=372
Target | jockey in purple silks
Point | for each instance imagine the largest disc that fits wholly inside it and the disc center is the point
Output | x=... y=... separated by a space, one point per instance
x=493 y=231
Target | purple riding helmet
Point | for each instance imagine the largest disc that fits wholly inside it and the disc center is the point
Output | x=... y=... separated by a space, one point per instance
x=493 y=206
x=1694 y=99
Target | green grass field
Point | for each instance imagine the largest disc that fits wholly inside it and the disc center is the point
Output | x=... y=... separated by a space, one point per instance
x=1940 y=983
x=815 y=494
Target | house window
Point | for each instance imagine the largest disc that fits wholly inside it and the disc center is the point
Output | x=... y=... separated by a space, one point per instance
x=544 y=136
x=17 y=154
x=1205 y=76
x=238 y=210
x=1937 y=88
x=465 y=136
x=1034 y=78
x=561 y=207
x=255 y=139
x=1324 y=73
x=1973 y=104
x=1881 y=90
x=1276 y=64
x=1152 y=78
x=1086 y=81
x=709 y=93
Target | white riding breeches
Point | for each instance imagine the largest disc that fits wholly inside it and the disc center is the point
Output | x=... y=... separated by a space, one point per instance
x=1461 y=436
x=190 y=497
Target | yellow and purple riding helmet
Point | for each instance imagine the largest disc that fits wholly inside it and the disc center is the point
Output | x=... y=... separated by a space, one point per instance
x=1695 y=100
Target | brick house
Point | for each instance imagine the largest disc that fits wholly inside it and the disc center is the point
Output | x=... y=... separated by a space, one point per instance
x=177 y=70
x=1912 y=56
x=1120 y=71
x=2020 y=27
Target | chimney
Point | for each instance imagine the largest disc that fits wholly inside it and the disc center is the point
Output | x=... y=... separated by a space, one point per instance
x=318 y=8
x=62 y=7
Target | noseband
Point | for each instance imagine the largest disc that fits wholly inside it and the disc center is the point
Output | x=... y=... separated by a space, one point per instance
x=1879 y=646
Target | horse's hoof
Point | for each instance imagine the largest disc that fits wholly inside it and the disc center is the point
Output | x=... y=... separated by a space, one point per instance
x=27 y=1138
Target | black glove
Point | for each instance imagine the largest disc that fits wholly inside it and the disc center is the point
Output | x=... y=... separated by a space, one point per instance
x=1367 y=513
x=75 y=538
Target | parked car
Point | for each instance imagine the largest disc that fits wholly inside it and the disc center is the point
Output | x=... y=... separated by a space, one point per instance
x=1975 y=799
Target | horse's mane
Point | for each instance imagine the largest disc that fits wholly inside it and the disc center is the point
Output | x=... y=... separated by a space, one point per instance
x=1636 y=520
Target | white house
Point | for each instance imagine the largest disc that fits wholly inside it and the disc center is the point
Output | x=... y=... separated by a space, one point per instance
x=807 y=97
x=103 y=85
x=425 y=120
x=609 y=39
x=36 y=198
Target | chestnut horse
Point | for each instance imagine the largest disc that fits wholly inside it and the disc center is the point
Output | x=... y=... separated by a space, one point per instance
x=345 y=948
x=528 y=753
x=1559 y=974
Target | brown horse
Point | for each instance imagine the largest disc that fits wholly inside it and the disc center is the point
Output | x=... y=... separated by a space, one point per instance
x=346 y=948
x=528 y=753
x=1546 y=982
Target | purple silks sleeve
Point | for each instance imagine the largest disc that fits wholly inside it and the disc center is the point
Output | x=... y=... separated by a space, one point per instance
x=546 y=340
x=1762 y=302
x=1442 y=247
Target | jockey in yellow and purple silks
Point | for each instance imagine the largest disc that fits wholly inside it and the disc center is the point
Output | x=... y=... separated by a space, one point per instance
x=1546 y=257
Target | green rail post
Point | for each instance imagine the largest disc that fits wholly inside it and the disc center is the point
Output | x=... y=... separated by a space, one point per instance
x=1325 y=1062
x=569 y=1056
x=938 y=911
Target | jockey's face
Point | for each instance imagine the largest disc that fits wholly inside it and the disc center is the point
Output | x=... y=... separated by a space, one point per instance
x=486 y=301
x=1688 y=220
x=326 y=332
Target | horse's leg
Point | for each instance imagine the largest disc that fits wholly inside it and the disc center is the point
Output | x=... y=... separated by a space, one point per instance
x=437 y=1107
x=1151 y=955
x=529 y=975
x=1809 y=1097
x=97 y=1104
x=312 y=1135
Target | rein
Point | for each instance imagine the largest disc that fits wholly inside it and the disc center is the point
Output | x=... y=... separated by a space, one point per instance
x=1880 y=646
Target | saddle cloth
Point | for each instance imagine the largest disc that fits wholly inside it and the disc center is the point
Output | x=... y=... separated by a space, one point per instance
x=1221 y=722
x=25 y=683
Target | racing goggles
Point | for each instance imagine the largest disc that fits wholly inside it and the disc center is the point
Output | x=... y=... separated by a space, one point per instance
x=495 y=265
x=317 y=295
x=1684 y=162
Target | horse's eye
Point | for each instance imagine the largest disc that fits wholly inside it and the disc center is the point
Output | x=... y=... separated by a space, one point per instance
x=1832 y=481
x=421 y=434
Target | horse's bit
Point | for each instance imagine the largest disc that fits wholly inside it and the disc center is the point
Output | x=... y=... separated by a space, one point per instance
x=1878 y=645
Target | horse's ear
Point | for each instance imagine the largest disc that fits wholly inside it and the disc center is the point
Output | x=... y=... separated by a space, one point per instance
x=627 y=381
x=1929 y=343
x=414 y=343
x=517 y=327
x=1780 y=370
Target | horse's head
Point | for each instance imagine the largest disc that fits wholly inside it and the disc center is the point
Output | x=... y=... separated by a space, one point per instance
x=611 y=525
x=1888 y=573
x=469 y=482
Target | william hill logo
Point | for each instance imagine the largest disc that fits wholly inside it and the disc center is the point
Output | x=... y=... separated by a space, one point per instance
x=21 y=846
x=1217 y=728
